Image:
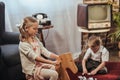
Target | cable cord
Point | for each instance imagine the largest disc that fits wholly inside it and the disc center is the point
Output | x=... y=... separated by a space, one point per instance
x=46 y=35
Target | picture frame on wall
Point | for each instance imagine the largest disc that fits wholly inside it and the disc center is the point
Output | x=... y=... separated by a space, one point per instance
x=116 y=5
x=94 y=1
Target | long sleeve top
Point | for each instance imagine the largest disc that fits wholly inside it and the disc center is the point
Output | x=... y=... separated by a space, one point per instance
x=28 y=55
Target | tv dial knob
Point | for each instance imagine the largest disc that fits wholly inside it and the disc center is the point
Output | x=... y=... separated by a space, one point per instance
x=106 y=24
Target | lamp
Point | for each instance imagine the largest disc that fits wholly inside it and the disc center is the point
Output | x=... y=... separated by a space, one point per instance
x=42 y=19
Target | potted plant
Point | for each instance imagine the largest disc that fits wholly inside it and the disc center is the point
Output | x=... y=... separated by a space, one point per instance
x=115 y=36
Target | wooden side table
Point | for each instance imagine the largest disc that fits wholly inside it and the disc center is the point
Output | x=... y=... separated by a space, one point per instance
x=41 y=37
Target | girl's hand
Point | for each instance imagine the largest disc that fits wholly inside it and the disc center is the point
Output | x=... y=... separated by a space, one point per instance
x=55 y=62
x=58 y=61
x=58 y=64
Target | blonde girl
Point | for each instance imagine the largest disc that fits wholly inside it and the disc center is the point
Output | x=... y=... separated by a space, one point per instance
x=33 y=64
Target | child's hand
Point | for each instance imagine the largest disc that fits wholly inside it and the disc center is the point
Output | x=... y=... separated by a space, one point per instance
x=85 y=71
x=93 y=72
x=58 y=61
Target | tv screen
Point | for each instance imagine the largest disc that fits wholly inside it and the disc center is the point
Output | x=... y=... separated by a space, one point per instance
x=97 y=13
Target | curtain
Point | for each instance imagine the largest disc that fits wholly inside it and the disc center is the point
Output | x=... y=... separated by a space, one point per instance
x=64 y=36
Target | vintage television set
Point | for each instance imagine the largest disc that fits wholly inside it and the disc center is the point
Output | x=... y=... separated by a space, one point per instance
x=94 y=16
